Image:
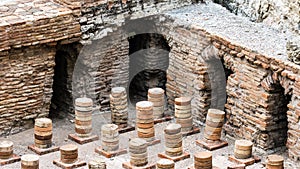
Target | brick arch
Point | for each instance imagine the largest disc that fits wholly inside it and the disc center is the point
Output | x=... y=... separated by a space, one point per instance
x=148 y=63
x=216 y=76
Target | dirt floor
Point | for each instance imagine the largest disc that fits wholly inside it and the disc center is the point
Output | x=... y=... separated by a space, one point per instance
x=63 y=127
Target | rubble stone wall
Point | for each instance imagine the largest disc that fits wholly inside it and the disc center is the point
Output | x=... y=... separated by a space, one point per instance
x=282 y=14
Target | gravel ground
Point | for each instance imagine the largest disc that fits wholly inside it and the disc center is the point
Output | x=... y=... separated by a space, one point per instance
x=63 y=127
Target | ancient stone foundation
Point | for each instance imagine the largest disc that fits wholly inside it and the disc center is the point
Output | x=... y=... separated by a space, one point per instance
x=201 y=51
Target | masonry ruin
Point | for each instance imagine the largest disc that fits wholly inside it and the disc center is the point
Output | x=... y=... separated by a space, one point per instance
x=52 y=52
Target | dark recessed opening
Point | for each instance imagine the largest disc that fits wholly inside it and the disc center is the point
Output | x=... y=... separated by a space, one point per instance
x=62 y=97
x=149 y=60
x=59 y=85
x=279 y=116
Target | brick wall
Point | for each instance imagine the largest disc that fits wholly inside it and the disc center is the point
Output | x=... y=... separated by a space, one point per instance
x=29 y=32
x=187 y=75
x=100 y=66
x=26 y=81
x=262 y=86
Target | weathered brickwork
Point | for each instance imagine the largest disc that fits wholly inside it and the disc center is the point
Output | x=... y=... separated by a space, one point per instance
x=98 y=17
x=187 y=75
x=101 y=66
x=26 y=81
x=26 y=23
x=29 y=31
x=262 y=89
x=261 y=94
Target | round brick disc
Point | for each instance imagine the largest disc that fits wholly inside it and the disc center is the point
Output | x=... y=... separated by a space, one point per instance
x=97 y=164
x=213 y=129
x=83 y=102
x=138 y=142
x=157 y=99
x=141 y=116
x=138 y=162
x=82 y=114
x=83 y=132
x=109 y=128
x=215 y=120
x=43 y=122
x=173 y=141
x=242 y=154
x=203 y=156
x=214 y=124
x=146 y=135
x=110 y=140
x=117 y=99
x=137 y=151
x=156 y=92
x=174 y=150
x=183 y=108
x=118 y=90
x=6 y=145
x=146 y=131
x=183 y=116
x=145 y=125
x=30 y=160
x=110 y=148
x=177 y=136
x=144 y=105
x=212 y=136
x=173 y=145
x=183 y=111
x=68 y=148
x=174 y=154
x=183 y=101
x=165 y=164
x=275 y=159
x=243 y=144
x=157 y=104
x=41 y=137
x=84 y=109
x=216 y=113
x=145 y=121
x=173 y=128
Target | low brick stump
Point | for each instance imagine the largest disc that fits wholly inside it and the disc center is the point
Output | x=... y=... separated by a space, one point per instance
x=126 y=129
x=78 y=163
x=211 y=145
x=194 y=130
x=163 y=119
x=42 y=151
x=154 y=142
x=214 y=167
x=100 y=151
x=248 y=161
x=13 y=159
x=127 y=165
x=83 y=140
x=237 y=166
x=183 y=156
